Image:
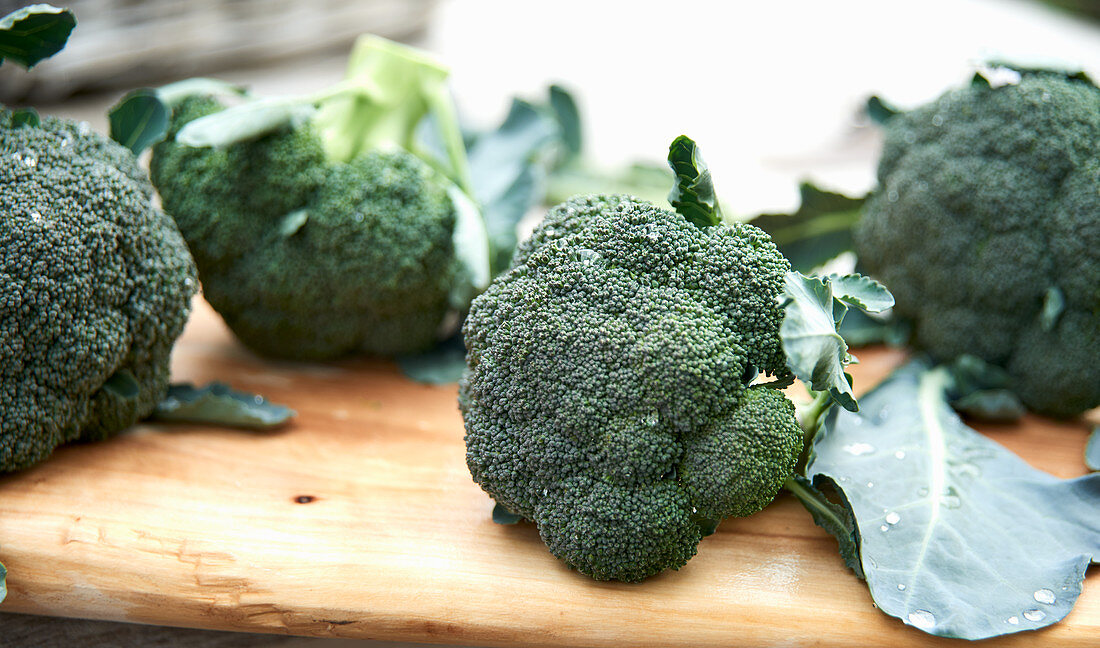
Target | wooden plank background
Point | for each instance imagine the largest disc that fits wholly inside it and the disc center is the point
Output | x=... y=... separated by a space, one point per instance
x=360 y=520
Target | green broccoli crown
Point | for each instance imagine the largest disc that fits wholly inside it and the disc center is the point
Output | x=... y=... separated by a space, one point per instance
x=605 y=397
x=987 y=210
x=95 y=287
x=307 y=257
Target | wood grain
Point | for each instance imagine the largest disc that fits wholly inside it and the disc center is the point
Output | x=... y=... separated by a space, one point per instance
x=360 y=520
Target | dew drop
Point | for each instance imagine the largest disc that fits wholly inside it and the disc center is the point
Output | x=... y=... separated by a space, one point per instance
x=83 y=129
x=923 y=619
x=1014 y=620
x=1045 y=96
x=66 y=139
x=259 y=400
x=588 y=257
x=37 y=218
x=892 y=518
x=901 y=587
x=937 y=120
x=1044 y=596
x=1034 y=615
x=922 y=491
x=884 y=528
x=650 y=419
x=858 y=449
x=900 y=454
x=892 y=196
x=910 y=137
x=870 y=484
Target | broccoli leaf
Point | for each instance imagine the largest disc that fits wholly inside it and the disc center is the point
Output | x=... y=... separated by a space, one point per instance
x=864 y=293
x=507 y=176
x=642 y=180
x=835 y=518
x=25 y=117
x=1092 y=450
x=173 y=93
x=568 y=118
x=218 y=404
x=502 y=515
x=861 y=329
x=3 y=582
x=139 y=120
x=1054 y=302
x=981 y=390
x=693 y=194
x=880 y=111
x=816 y=353
x=443 y=364
x=820 y=230
x=958 y=536
x=246 y=121
x=34 y=33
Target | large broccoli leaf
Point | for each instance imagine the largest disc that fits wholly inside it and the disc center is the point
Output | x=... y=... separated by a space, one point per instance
x=34 y=33
x=958 y=536
x=820 y=230
x=693 y=194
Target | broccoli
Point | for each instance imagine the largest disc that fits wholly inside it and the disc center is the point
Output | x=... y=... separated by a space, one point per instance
x=326 y=231
x=984 y=226
x=607 y=396
x=95 y=287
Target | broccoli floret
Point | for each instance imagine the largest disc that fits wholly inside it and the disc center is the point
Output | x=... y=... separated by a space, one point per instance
x=330 y=232
x=985 y=225
x=606 y=394
x=307 y=257
x=95 y=287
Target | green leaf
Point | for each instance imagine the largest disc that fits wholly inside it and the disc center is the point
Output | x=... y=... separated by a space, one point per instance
x=568 y=118
x=139 y=120
x=981 y=390
x=123 y=384
x=958 y=536
x=1092 y=450
x=508 y=173
x=440 y=365
x=880 y=111
x=173 y=93
x=3 y=582
x=816 y=353
x=245 y=122
x=693 y=194
x=649 y=182
x=502 y=515
x=835 y=518
x=25 y=117
x=1054 y=302
x=861 y=329
x=471 y=246
x=820 y=230
x=862 y=292
x=218 y=404
x=34 y=33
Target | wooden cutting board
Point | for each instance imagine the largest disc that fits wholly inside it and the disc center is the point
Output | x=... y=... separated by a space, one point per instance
x=360 y=520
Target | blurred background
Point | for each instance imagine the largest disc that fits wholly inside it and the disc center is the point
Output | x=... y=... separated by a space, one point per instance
x=772 y=91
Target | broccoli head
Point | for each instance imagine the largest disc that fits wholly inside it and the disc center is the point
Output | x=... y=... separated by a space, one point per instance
x=607 y=393
x=985 y=228
x=319 y=225
x=311 y=258
x=95 y=287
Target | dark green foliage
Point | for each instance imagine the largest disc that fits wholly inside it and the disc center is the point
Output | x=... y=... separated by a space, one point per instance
x=34 y=33
x=605 y=396
x=95 y=286
x=307 y=257
x=988 y=204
